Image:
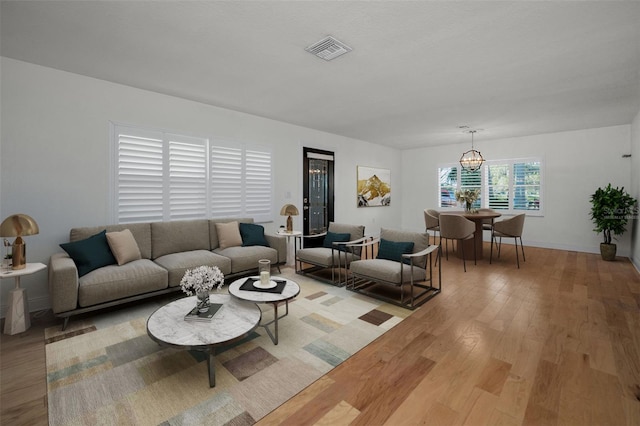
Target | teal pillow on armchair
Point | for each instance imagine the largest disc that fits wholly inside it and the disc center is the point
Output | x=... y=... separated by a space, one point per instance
x=391 y=250
x=91 y=253
x=333 y=237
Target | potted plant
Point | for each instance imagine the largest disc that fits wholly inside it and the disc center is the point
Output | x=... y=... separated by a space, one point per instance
x=611 y=209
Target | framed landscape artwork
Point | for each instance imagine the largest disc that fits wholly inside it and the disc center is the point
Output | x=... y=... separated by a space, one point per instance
x=374 y=187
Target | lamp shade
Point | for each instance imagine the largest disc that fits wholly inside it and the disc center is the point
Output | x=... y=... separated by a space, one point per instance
x=18 y=225
x=289 y=210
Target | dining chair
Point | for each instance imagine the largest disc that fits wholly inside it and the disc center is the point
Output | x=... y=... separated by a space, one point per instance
x=511 y=228
x=456 y=227
x=487 y=224
x=431 y=222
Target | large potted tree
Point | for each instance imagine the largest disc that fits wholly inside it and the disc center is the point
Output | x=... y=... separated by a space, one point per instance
x=611 y=209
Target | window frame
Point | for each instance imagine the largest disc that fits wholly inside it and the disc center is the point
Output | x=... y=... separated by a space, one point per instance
x=484 y=200
x=265 y=180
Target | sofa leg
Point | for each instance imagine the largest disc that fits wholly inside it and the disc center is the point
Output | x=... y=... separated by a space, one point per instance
x=65 y=323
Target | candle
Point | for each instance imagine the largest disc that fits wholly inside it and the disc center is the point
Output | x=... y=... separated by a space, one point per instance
x=264 y=278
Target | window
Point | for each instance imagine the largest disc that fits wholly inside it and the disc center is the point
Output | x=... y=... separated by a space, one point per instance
x=162 y=176
x=510 y=186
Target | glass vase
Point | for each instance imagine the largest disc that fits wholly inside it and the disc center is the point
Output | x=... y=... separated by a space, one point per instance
x=264 y=271
x=202 y=300
x=467 y=206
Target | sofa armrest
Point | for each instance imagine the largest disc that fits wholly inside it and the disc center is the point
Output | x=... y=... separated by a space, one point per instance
x=63 y=283
x=279 y=243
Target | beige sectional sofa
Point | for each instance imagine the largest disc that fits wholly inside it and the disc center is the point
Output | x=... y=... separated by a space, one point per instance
x=166 y=251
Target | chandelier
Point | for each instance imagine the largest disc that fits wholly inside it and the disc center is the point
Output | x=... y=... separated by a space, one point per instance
x=471 y=160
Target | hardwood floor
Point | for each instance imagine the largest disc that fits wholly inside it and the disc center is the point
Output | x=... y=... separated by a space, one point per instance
x=556 y=342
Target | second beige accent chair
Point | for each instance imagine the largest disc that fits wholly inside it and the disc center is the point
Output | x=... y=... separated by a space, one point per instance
x=332 y=254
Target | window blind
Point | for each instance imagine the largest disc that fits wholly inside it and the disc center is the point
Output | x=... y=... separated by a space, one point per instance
x=510 y=186
x=139 y=176
x=164 y=176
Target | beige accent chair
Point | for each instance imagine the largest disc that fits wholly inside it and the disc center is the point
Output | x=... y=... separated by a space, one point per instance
x=432 y=222
x=412 y=276
x=335 y=257
x=511 y=228
x=456 y=227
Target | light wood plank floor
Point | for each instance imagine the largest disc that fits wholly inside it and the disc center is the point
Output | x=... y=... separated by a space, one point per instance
x=556 y=342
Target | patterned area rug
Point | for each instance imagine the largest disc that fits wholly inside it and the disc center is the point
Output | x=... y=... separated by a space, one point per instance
x=108 y=371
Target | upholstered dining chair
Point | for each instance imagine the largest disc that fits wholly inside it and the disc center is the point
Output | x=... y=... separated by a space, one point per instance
x=487 y=224
x=511 y=228
x=431 y=222
x=456 y=227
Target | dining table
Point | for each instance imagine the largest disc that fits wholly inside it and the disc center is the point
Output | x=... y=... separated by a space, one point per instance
x=477 y=218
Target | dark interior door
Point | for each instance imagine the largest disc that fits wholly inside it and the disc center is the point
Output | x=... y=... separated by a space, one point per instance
x=318 y=193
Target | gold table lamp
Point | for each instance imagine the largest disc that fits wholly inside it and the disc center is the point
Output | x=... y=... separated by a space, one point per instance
x=18 y=225
x=289 y=210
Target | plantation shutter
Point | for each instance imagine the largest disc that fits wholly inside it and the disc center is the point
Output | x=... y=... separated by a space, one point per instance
x=526 y=185
x=472 y=180
x=226 y=181
x=159 y=176
x=258 y=185
x=498 y=186
x=187 y=177
x=140 y=175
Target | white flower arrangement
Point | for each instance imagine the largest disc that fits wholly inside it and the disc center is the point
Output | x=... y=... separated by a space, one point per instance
x=201 y=278
x=467 y=195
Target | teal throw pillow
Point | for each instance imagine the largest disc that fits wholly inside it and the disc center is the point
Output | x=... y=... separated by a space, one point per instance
x=334 y=237
x=391 y=250
x=91 y=253
x=252 y=235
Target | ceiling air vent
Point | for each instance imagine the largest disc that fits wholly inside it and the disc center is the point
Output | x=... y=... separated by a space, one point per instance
x=328 y=48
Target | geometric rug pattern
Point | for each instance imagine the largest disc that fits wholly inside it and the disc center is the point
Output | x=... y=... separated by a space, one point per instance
x=104 y=373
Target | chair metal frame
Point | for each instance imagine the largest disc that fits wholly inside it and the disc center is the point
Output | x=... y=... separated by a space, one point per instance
x=336 y=246
x=361 y=284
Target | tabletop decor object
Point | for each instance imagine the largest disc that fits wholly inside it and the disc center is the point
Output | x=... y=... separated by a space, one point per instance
x=468 y=197
x=264 y=271
x=200 y=281
x=18 y=225
x=289 y=210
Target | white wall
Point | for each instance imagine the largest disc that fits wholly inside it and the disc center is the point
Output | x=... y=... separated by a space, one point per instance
x=55 y=154
x=575 y=164
x=635 y=189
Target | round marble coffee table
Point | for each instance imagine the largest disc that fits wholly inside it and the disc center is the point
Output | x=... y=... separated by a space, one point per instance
x=257 y=295
x=233 y=321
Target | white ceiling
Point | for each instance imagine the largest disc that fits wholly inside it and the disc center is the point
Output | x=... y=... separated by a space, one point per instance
x=418 y=70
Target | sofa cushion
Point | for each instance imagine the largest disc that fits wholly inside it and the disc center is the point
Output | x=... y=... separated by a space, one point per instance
x=334 y=237
x=386 y=270
x=213 y=232
x=178 y=263
x=252 y=235
x=246 y=258
x=392 y=250
x=321 y=256
x=91 y=253
x=123 y=246
x=228 y=234
x=115 y=282
x=141 y=232
x=179 y=236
